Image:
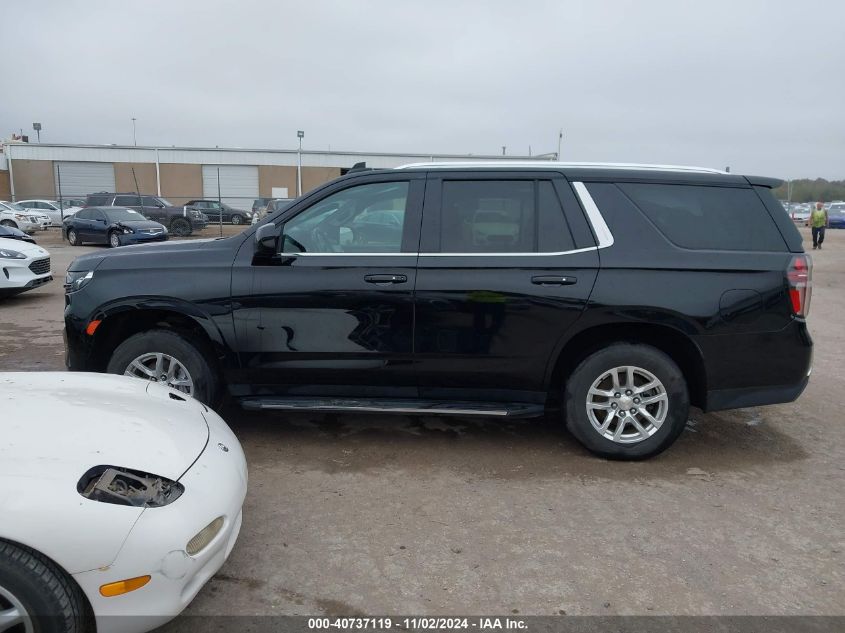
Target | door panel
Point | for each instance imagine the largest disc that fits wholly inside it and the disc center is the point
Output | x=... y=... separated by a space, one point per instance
x=331 y=323
x=487 y=323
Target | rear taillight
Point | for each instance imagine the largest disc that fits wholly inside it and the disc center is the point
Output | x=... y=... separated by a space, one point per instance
x=799 y=277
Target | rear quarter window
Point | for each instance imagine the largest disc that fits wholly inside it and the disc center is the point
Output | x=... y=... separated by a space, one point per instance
x=707 y=218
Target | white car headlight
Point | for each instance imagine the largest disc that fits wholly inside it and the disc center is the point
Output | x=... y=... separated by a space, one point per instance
x=5 y=253
x=126 y=487
x=202 y=538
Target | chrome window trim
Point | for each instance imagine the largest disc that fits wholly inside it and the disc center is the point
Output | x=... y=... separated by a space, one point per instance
x=594 y=216
x=602 y=231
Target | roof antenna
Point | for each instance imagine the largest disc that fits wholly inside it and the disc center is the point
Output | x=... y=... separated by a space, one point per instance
x=358 y=167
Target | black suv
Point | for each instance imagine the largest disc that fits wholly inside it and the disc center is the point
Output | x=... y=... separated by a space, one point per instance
x=617 y=295
x=180 y=221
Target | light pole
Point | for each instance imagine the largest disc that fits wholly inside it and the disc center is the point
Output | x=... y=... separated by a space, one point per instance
x=559 y=140
x=37 y=128
x=134 y=139
x=299 y=134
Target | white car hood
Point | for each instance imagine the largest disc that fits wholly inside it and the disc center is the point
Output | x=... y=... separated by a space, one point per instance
x=57 y=425
x=27 y=248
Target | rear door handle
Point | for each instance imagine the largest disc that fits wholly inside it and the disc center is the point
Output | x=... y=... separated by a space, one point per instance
x=553 y=280
x=386 y=279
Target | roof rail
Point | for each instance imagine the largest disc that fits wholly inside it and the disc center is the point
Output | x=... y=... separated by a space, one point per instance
x=545 y=164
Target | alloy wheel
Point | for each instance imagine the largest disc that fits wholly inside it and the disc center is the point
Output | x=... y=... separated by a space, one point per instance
x=14 y=618
x=162 y=368
x=627 y=404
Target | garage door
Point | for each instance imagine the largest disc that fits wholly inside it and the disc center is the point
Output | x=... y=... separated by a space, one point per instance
x=80 y=179
x=238 y=184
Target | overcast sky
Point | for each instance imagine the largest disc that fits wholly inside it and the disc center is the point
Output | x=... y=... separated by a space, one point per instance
x=757 y=85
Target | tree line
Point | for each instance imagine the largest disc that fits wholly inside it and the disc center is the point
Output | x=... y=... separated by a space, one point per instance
x=807 y=190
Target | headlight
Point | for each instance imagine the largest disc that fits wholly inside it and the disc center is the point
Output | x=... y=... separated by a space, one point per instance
x=22 y=217
x=77 y=280
x=126 y=487
x=127 y=230
x=202 y=538
x=7 y=254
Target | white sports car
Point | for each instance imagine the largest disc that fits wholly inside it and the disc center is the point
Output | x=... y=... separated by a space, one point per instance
x=119 y=498
x=23 y=266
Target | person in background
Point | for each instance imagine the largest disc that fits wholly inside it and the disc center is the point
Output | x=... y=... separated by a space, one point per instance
x=818 y=222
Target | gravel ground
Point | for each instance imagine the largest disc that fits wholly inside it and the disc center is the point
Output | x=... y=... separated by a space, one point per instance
x=356 y=514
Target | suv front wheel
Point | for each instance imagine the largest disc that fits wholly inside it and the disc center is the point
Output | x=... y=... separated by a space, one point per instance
x=626 y=401
x=169 y=358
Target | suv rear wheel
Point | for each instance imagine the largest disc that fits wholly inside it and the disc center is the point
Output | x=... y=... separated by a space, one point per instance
x=626 y=401
x=169 y=358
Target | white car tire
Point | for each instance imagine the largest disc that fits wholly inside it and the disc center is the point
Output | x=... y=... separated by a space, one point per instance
x=34 y=587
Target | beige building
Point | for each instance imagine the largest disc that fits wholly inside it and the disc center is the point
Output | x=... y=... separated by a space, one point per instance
x=238 y=176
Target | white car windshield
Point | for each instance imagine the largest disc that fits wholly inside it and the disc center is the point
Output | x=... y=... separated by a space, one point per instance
x=14 y=206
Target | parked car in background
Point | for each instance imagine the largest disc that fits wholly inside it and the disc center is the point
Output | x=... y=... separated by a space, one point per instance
x=23 y=266
x=122 y=499
x=180 y=221
x=51 y=208
x=615 y=296
x=836 y=217
x=274 y=205
x=214 y=210
x=800 y=216
x=12 y=233
x=115 y=226
x=259 y=205
x=28 y=220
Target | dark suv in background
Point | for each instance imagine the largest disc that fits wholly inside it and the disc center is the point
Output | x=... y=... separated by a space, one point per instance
x=617 y=295
x=180 y=221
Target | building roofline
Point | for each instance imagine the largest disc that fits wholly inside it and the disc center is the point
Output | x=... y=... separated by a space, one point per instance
x=489 y=157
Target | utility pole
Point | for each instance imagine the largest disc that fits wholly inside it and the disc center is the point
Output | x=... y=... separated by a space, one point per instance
x=559 y=140
x=299 y=135
x=503 y=149
x=134 y=139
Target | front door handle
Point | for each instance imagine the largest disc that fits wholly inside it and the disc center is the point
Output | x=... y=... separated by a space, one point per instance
x=553 y=280
x=386 y=279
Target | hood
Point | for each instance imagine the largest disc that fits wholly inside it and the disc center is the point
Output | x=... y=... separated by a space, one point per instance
x=173 y=252
x=60 y=424
x=28 y=249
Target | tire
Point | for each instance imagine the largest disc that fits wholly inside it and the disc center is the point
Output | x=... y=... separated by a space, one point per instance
x=237 y=219
x=114 y=239
x=670 y=406
x=35 y=585
x=180 y=227
x=73 y=238
x=191 y=354
x=9 y=223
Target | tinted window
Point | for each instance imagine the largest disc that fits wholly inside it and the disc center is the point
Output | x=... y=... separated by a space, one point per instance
x=149 y=201
x=502 y=216
x=707 y=218
x=126 y=201
x=362 y=219
x=98 y=199
x=84 y=214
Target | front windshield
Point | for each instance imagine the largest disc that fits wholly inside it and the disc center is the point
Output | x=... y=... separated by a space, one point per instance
x=123 y=215
x=14 y=206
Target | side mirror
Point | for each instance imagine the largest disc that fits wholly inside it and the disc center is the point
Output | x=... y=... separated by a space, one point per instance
x=267 y=240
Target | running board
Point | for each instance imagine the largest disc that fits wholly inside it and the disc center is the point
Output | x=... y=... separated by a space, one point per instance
x=374 y=405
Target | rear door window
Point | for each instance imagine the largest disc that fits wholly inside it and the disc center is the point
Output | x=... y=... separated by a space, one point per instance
x=502 y=216
x=707 y=218
x=127 y=201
